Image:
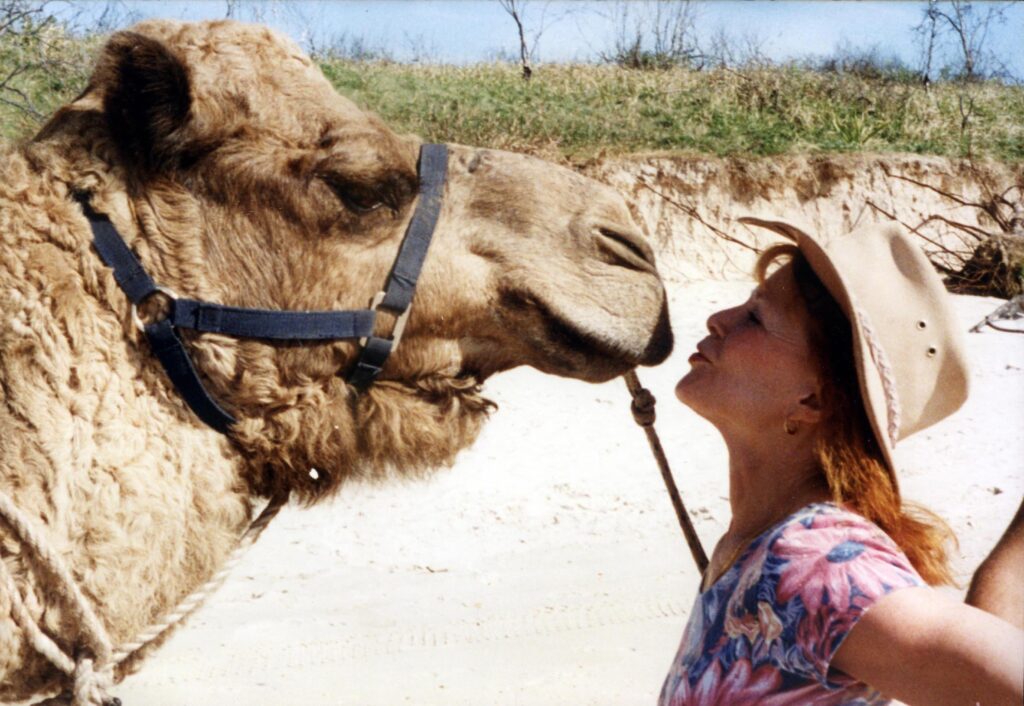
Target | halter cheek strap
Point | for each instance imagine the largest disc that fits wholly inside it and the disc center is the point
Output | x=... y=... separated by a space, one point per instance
x=397 y=295
x=238 y=322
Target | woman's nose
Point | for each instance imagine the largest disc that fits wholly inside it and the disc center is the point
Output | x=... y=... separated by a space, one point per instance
x=719 y=322
x=716 y=323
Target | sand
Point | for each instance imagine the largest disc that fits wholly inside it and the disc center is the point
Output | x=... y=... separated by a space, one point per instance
x=546 y=567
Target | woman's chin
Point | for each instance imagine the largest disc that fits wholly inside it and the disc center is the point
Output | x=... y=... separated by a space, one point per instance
x=697 y=396
x=685 y=388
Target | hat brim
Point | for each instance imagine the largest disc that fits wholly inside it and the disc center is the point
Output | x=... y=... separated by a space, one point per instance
x=868 y=376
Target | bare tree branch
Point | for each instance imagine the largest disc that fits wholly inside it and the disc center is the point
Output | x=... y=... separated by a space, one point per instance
x=514 y=8
x=25 y=105
x=988 y=207
x=656 y=34
x=692 y=213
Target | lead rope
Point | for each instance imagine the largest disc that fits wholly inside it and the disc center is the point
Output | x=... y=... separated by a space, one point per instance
x=91 y=670
x=643 y=415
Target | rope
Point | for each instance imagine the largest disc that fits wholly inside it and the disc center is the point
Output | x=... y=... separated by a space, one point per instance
x=90 y=625
x=91 y=671
x=644 y=415
x=89 y=685
x=892 y=404
x=198 y=596
x=40 y=640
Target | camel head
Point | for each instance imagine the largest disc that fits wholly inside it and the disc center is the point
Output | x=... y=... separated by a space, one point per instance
x=239 y=176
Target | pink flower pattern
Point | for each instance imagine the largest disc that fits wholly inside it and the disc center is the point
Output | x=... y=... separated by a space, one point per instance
x=766 y=631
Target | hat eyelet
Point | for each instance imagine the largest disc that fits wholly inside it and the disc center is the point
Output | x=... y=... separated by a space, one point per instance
x=922 y=325
x=932 y=350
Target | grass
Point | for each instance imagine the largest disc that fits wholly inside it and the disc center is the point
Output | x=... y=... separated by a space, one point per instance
x=581 y=112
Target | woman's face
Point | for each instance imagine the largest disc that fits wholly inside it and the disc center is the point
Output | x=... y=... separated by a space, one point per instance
x=755 y=369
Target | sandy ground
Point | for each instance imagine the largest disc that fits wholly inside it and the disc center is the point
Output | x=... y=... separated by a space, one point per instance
x=546 y=567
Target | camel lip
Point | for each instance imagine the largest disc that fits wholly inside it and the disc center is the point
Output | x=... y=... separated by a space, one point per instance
x=662 y=340
x=615 y=359
x=571 y=351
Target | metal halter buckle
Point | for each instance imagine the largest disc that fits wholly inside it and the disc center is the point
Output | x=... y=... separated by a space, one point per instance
x=137 y=320
x=399 y=329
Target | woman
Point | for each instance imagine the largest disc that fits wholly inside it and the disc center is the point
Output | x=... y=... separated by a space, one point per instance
x=998 y=584
x=819 y=592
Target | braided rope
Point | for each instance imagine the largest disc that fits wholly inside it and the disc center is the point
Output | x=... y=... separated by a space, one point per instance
x=644 y=415
x=195 y=599
x=40 y=640
x=89 y=622
x=90 y=684
x=892 y=404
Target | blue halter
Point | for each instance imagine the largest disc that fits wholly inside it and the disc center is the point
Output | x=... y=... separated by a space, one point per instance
x=207 y=317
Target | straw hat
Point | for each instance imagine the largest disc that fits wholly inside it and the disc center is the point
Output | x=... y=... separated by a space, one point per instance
x=908 y=345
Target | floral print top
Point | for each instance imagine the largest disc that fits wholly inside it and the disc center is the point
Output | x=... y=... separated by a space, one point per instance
x=766 y=631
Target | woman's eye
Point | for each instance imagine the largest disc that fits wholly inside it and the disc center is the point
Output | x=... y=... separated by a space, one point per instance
x=753 y=317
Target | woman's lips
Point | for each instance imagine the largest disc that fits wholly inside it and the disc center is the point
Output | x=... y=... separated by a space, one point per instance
x=696 y=357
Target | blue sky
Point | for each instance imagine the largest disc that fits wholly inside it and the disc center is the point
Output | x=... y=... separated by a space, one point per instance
x=462 y=31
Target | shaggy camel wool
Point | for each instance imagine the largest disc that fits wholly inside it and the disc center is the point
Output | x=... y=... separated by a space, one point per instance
x=238 y=175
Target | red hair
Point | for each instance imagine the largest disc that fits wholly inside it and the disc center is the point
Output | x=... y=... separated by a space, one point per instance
x=848 y=452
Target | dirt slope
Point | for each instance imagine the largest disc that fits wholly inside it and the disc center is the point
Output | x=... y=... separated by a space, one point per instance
x=683 y=201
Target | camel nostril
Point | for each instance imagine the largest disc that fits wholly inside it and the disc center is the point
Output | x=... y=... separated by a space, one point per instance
x=627 y=245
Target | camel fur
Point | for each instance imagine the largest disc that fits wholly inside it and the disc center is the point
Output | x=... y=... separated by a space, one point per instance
x=238 y=175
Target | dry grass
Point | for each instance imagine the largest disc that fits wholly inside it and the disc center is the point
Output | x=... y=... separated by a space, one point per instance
x=580 y=112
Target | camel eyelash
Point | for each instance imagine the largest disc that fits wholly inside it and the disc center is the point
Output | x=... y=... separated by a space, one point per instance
x=356 y=198
x=365 y=195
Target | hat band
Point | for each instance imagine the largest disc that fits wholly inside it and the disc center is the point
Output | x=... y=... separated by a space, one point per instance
x=881 y=360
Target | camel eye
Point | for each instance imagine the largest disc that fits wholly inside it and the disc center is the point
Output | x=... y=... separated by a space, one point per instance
x=361 y=204
x=356 y=198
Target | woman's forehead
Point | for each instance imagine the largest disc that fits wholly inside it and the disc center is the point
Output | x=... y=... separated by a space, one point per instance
x=779 y=287
x=778 y=297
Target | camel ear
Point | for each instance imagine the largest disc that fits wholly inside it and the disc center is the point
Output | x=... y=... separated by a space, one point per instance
x=146 y=99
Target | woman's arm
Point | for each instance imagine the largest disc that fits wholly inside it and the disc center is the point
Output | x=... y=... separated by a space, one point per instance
x=923 y=648
x=998 y=584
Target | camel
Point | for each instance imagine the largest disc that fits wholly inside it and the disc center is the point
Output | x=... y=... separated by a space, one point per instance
x=236 y=174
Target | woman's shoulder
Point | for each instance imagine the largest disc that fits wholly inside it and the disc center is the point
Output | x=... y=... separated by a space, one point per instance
x=824 y=546
x=818 y=571
x=829 y=530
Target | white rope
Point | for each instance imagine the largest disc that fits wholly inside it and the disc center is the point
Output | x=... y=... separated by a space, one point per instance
x=91 y=673
x=99 y=641
x=40 y=640
x=89 y=685
x=195 y=599
x=892 y=404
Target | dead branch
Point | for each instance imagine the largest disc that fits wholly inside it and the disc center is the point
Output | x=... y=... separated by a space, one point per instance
x=940 y=192
x=990 y=206
x=1011 y=310
x=692 y=213
x=24 y=106
x=915 y=230
x=514 y=8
